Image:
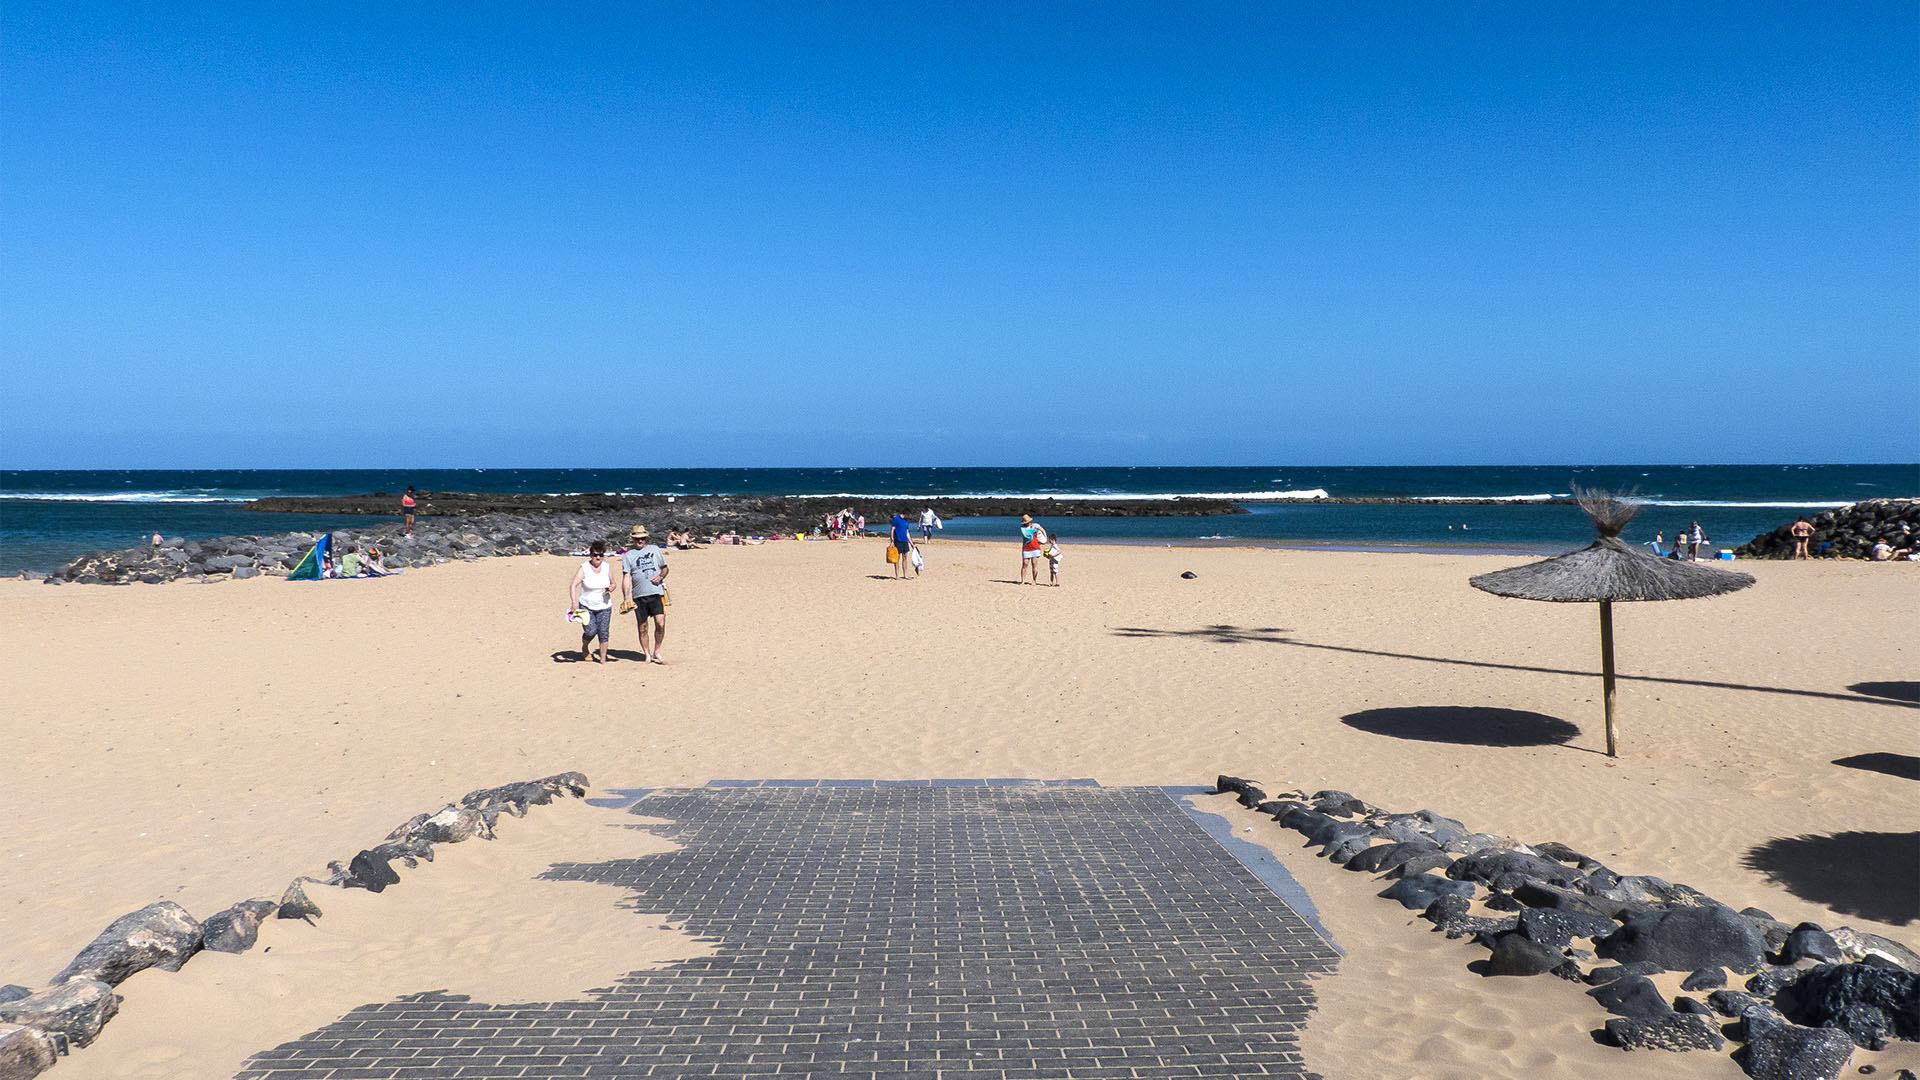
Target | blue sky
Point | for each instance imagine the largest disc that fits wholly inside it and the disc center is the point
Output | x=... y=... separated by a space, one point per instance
x=832 y=234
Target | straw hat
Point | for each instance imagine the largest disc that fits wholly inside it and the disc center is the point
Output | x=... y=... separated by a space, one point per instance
x=1026 y=519
x=638 y=532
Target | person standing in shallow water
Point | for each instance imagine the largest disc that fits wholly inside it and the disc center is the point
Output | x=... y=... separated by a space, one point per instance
x=406 y=508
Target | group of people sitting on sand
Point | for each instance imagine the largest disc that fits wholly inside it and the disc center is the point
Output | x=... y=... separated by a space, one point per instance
x=353 y=564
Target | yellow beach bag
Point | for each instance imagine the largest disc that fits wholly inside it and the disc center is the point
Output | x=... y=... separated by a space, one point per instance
x=893 y=554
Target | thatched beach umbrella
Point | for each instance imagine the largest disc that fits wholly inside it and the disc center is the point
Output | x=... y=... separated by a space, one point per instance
x=1605 y=571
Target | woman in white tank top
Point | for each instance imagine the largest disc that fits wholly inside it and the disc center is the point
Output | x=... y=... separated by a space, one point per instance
x=592 y=590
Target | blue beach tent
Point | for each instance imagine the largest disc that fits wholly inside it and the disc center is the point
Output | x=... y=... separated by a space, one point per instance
x=308 y=569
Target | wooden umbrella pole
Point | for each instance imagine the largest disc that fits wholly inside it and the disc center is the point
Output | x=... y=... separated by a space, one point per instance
x=1606 y=673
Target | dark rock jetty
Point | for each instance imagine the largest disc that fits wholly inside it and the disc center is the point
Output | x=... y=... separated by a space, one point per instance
x=456 y=526
x=1810 y=997
x=1847 y=533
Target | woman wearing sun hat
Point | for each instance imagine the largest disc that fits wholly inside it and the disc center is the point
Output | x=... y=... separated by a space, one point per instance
x=1033 y=540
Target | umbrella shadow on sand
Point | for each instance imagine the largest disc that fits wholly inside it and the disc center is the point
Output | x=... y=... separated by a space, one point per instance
x=1875 y=875
x=1891 y=691
x=1905 y=766
x=1468 y=725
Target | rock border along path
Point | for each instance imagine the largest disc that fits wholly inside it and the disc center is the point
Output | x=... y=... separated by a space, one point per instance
x=880 y=929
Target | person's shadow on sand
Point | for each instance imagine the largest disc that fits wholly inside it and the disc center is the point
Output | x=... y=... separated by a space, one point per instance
x=1871 y=874
x=572 y=656
x=1471 y=725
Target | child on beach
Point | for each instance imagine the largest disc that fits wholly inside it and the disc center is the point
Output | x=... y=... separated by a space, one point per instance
x=1052 y=553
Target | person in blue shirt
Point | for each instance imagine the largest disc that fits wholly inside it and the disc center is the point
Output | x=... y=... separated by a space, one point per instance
x=902 y=544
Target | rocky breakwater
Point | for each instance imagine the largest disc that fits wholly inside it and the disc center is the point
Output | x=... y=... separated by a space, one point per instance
x=455 y=527
x=1808 y=998
x=1847 y=533
x=38 y=1026
x=432 y=542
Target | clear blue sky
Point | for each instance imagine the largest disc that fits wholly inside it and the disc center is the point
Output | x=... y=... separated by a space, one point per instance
x=380 y=234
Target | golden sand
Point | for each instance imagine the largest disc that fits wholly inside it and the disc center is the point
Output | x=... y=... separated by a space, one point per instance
x=206 y=743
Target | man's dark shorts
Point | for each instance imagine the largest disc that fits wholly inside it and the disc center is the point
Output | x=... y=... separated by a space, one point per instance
x=646 y=606
x=902 y=545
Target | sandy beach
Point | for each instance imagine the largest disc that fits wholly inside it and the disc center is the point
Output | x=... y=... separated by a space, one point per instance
x=206 y=743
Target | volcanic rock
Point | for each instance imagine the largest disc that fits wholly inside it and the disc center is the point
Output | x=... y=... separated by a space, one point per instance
x=237 y=928
x=25 y=1052
x=1686 y=939
x=1421 y=890
x=1868 y=1002
x=1777 y=1051
x=1631 y=995
x=77 y=1009
x=1515 y=954
x=160 y=935
x=1678 y=1032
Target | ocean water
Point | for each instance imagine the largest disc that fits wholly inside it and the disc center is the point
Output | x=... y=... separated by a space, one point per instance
x=49 y=517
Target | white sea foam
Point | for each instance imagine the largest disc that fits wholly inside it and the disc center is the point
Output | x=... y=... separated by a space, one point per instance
x=118 y=497
x=1542 y=497
x=1827 y=505
x=1083 y=496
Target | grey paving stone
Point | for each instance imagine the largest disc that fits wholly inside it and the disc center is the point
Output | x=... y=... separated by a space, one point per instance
x=878 y=930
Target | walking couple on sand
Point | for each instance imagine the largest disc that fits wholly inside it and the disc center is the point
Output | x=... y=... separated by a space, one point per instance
x=643 y=584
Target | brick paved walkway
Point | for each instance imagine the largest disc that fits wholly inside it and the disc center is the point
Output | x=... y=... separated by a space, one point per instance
x=898 y=931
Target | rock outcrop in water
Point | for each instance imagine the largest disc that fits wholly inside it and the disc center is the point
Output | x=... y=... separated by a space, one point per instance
x=1846 y=533
x=464 y=527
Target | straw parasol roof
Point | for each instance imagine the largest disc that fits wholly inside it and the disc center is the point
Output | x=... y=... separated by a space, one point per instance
x=1608 y=569
x=1605 y=572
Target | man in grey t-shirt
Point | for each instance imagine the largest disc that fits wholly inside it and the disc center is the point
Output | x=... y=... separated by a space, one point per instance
x=644 y=579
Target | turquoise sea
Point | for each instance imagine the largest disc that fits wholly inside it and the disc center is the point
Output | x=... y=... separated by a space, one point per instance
x=49 y=517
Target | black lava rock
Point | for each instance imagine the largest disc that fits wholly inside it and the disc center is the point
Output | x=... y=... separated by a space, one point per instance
x=160 y=935
x=1421 y=890
x=294 y=903
x=1868 y=1002
x=1557 y=929
x=1494 y=865
x=77 y=1009
x=1515 y=954
x=1679 y=1032
x=237 y=928
x=1608 y=974
x=1705 y=979
x=1777 y=1051
x=1809 y=941
x=1632 y=995
x=370 y=872
x=1540 y=895
x=1384 y=857
x=1686 y=939
x=1249 y=792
